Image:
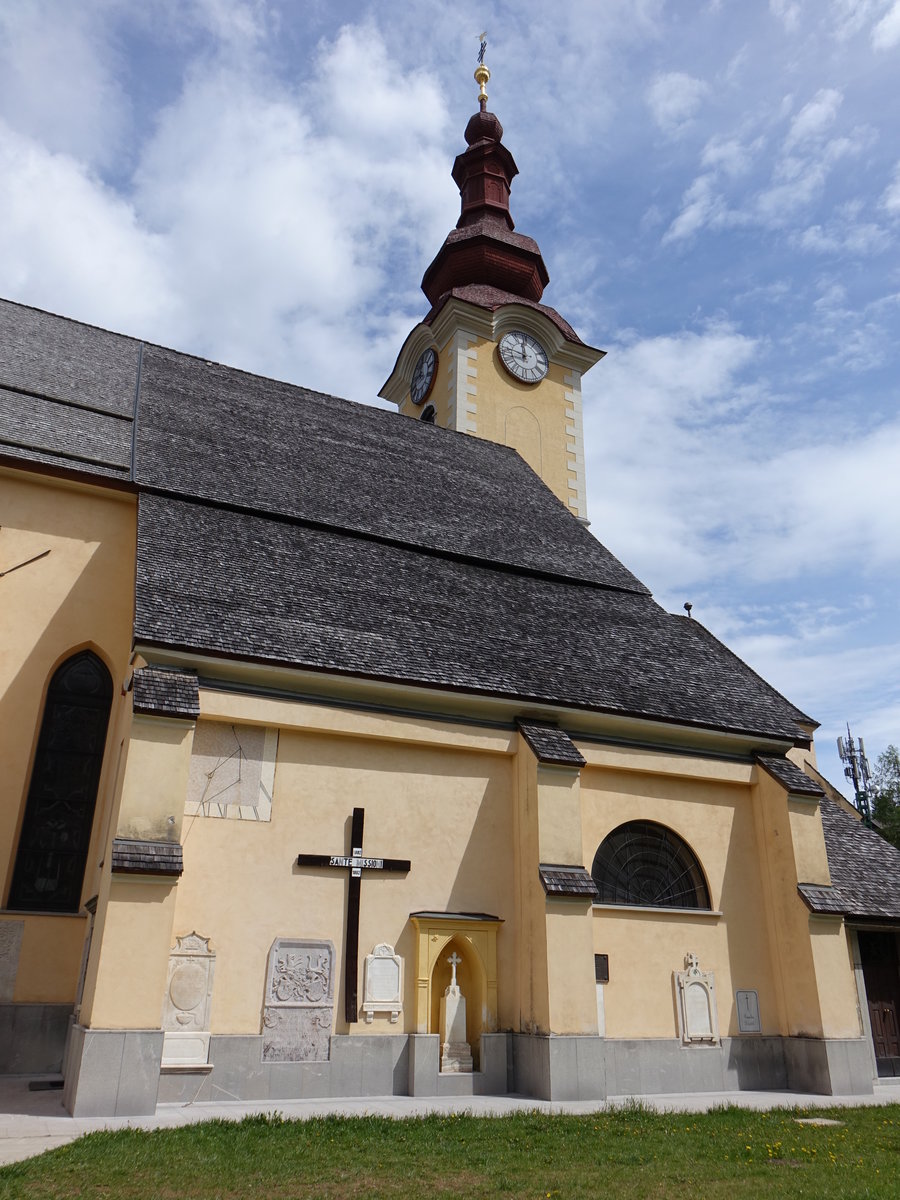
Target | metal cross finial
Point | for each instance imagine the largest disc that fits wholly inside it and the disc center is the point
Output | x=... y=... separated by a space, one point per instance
x=454 y=960
x=482 y=74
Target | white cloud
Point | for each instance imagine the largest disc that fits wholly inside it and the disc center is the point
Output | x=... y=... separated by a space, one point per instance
x=701 y=205
x=886 y=34
x=799 y=178
x=70 y=244
x=814 y=118
x=244 y=179
x=799 y=174
x=232 y=21
x=844 y=236
x=58 y=80
x=730 y=155
x=890 y=199
x=674 y=98
x=643 y=442
x=244 y=238
x=788 y=12
x=850 y=16
x=705 y=474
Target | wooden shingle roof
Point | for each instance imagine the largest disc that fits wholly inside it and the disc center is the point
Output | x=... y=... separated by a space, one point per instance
x=280 y=525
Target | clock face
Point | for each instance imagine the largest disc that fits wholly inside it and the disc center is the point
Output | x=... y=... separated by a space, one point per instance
x=423 y=376
x=523 y=356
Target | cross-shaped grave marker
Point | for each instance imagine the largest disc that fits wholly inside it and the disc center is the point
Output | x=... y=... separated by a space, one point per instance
x=355 y=864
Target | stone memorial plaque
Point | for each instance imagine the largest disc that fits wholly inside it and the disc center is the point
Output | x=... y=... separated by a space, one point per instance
x=232 y=771
x=383 y=983
x=187 y=1001
x=696 y=1005
x=697 y=1016
x=298 y=1011
x=296 y=1034
x=10 y=945
x=748 y=1011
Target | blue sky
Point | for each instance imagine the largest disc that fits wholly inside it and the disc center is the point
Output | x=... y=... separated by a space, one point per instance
x=716 y=191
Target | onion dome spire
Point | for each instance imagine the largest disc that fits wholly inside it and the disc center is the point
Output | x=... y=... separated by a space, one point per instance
x=483 y=249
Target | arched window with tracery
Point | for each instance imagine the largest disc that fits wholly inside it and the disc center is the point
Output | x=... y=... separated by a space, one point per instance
x=59 y=813
x=648 y=864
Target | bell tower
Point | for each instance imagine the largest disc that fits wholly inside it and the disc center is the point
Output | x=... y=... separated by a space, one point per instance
x=489 y=358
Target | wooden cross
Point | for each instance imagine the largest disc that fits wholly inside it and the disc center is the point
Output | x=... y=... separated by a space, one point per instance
x=355 y=864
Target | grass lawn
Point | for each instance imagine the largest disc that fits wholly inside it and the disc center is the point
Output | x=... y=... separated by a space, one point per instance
x=617 y=1155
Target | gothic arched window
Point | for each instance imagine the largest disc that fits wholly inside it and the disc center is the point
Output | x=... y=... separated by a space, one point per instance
x=644 y=863
x=59 y=813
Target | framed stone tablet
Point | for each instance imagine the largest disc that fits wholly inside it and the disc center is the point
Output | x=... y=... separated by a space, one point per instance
x=748 y=1011
x=186 y=1004
x=298 y=1011
x=698 y=1019
x=383 y=989
x=232 y=771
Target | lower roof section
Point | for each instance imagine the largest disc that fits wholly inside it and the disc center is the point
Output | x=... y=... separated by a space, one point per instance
x=213 y=581
x=864 y=868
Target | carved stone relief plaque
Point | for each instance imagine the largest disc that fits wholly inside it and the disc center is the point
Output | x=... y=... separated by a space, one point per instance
x=232 y=771
x=187 y=1001
x=383 y=990
x=10 y=945
x=298 y=1010
x=697 y=1016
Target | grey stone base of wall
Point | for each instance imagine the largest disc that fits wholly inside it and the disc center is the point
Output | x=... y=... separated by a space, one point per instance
x=112 y=1072
x=833 y=1068
x=393 y=1065
x=118 y=1072
x=426 y=1078
x=33 y=1038
x=549 y=1067
x=654 y=1066
x=358 y=1066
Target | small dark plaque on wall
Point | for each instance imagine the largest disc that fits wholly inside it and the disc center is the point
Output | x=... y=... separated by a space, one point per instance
x=601 y=968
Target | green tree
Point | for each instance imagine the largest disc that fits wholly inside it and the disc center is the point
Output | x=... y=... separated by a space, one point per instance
x=884 y=793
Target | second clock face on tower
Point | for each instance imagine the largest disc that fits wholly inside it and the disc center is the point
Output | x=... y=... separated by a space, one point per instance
x=523 y=356
x=423 y=376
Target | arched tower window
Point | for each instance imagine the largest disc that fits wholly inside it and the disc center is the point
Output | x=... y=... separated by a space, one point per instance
x=644 y=863
x=59 y=814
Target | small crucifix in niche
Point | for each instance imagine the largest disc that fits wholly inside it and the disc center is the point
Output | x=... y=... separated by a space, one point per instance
x=355 y=864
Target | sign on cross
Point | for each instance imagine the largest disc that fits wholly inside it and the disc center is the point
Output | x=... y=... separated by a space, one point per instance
x=355 y=864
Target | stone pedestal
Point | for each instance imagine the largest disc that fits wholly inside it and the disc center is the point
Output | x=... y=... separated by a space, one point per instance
x=456 y=1053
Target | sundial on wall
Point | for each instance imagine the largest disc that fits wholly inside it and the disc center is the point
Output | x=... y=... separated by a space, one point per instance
x=25 y=562
x=232 y=771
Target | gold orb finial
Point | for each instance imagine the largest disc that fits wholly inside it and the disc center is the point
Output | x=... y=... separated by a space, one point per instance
x=482 y=74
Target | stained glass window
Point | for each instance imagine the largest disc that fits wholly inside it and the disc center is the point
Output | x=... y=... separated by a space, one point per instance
x=644 y=863
x=59 y=813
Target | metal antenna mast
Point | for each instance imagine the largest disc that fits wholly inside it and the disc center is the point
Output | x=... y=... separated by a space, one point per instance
x=856 y=769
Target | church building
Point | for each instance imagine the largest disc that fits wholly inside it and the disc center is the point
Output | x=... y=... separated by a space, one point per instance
x=340 y=758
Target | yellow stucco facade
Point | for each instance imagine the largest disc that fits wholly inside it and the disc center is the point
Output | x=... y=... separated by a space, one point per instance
x=76 y=594
x=475 y=813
